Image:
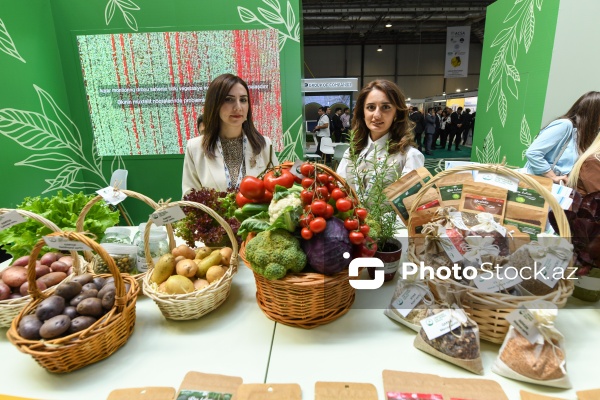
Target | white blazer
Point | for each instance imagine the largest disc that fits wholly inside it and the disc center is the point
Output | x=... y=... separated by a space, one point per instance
x=202 y=171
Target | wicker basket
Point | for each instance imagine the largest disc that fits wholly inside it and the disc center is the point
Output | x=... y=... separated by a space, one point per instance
x=200 y=302
x=306 y=299
x=490 y=309
x=80 y=222
x=9 y=309
x=93 y=344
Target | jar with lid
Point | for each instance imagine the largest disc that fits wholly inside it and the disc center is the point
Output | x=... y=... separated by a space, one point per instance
x=159 y=245
x=139 y=235
x=124 y=256
x=117 y=235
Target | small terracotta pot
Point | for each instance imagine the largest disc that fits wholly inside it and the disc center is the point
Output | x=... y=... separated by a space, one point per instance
x=390 y=255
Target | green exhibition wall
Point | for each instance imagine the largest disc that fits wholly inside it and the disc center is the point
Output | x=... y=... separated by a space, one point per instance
x=46 y=139
x=515 y=68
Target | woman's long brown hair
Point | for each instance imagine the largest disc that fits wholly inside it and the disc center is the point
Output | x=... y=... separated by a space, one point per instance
x=585 y=116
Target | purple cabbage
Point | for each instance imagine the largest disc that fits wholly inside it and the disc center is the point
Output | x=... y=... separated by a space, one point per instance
x=325 y=250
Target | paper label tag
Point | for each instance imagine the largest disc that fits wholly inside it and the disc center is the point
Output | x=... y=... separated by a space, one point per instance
x=495 y=281
x=443 y=322
x=408 y=300
x=112 y=196
x=491 y=178
x=167 y=216
x=449 y=248
x=9 y=219
x=61 y=243
x=523 y=321
x=588 y=283
x=413 y=396
x=202 y=395
x=457 y=220
x=552 y=270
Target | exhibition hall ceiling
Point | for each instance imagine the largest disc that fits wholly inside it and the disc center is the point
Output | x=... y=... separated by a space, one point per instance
x=351 y=22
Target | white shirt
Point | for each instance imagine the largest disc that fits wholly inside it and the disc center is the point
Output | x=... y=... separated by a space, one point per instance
x=403 y=163
x=323 y=132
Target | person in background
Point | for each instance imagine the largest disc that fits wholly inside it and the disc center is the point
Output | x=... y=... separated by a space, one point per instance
x=231 y=147
x=467 y=117
x=322 y=128
x=444 y=123
x=336 y=124
x=558 y=146
x=200 y=124
x=456 y=128
x=380 y=119
x=585 y=175
x=430 y=120
x=438 y=127
x=417 y=117
x=345 y=117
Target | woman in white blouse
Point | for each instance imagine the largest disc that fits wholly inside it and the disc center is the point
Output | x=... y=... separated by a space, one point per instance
x=380 y=123
x=230 y=146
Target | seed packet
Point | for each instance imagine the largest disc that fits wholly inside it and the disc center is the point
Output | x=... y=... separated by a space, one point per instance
x=450 y=188
x=413 y=396
x=408 y=185
x=527 y=206
x=482 y=198
x=439 y=250
x=449 y=334
x=410 y=302
x=487 y=226
x=533 y=350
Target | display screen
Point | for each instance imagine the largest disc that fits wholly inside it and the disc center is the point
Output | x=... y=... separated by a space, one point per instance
x=145 y=90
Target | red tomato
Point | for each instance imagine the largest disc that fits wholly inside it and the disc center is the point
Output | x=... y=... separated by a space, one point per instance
x=364 y=229
x=369 y=247
x=322 y=192
x=331 y=186
x=351 y=224
x=318 y=207
x=318 y=225
x=343 y=204
x=267 y=197
x=337 y=193
x=252 y=188
x=356 y=237
x=306 y=196
x=328 y=211
x=305 y=220
x=306 y=233
x=307 y=169
x=361 y=213
x=323 y=178
x=240 y=200
x=307 y=182
x=282 y=177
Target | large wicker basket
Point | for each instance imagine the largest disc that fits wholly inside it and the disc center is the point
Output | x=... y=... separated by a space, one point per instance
x=9 y=309
x=200 y=302
x=306 y=299
x=88 y=346
x=490 y=309
x=81 y=220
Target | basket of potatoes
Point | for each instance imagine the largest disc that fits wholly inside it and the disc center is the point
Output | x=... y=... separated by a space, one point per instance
x=50 y=270
x=186 y=283
x=83 y=321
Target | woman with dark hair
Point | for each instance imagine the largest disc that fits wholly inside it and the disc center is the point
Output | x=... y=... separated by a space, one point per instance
x=230 y=147
x=381 y=123
x=559 y=145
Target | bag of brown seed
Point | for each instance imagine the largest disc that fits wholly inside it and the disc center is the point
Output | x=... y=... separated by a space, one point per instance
x=439 y=249
x=533 y=350
x=410 y=302
x=449 y=334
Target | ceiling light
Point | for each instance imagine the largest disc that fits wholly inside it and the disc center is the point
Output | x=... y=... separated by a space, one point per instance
x=458 y=90
x=466 y=89
x=388 y=24
x=379 y=48
x=408 y=98
x=443 y=94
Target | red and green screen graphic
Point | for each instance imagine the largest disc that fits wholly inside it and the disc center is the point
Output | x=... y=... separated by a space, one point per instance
x=145 y=90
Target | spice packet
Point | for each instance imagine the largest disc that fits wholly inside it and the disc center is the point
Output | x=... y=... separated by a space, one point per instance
x=199 y=385
x=144 y=393
x=488 y=227
x=439 y=249
x=345 y=391
x=269 y=391
x=449 y=334
x=533 y=350
x=526 y=205
x=450 y=188
x=479 y=198
x=410 y=302
x=408 y=185
x=534 y=396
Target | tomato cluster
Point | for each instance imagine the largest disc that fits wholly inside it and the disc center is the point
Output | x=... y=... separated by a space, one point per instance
x=257 y=190
x=322 y=197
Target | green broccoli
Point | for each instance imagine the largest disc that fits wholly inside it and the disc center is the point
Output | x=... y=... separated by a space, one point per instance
x=273 y=253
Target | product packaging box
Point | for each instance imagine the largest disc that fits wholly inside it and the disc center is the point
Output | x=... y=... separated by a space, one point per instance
x=405 y=187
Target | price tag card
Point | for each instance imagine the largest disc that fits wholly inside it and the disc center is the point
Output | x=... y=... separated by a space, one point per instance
x=523 y=321
x=495 y=281
x=9 y=219
x=553 y=269
x=408 y=300
x=61 y=243
x=112 y=196
x=167 y=216
x=449 y=248
x=443 y=322
x=457 y=220
x=491 y=178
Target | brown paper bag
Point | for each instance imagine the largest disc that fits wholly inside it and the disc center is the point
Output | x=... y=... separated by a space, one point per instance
x=409 y=185
x=145 y=393
x=198 y=384
x=450 y=188
x=593 y=394
x=478 y=198
x=534 y=396
x=345 y=391
x=528 y=207
x=269 y=391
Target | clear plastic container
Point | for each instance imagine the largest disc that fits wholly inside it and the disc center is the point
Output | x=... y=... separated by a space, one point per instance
x=139 y=235
x=116 y=235
x=124 y=256
x=159 y=245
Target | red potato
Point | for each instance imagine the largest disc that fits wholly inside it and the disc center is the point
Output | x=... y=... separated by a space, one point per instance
x=67 y=260
x=21 y=262
x=14 y=276
x=59 y=266
x=15 y=296
x=25 y=287
x=4 y=291
x=49 y=258
x=41 y=270
x=53 y=278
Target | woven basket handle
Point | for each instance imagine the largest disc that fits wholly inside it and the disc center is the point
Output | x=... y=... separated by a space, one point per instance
x=561 y=219
x=80 y=237
x=129 y=193
x=209 y=211
x=77 y=266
